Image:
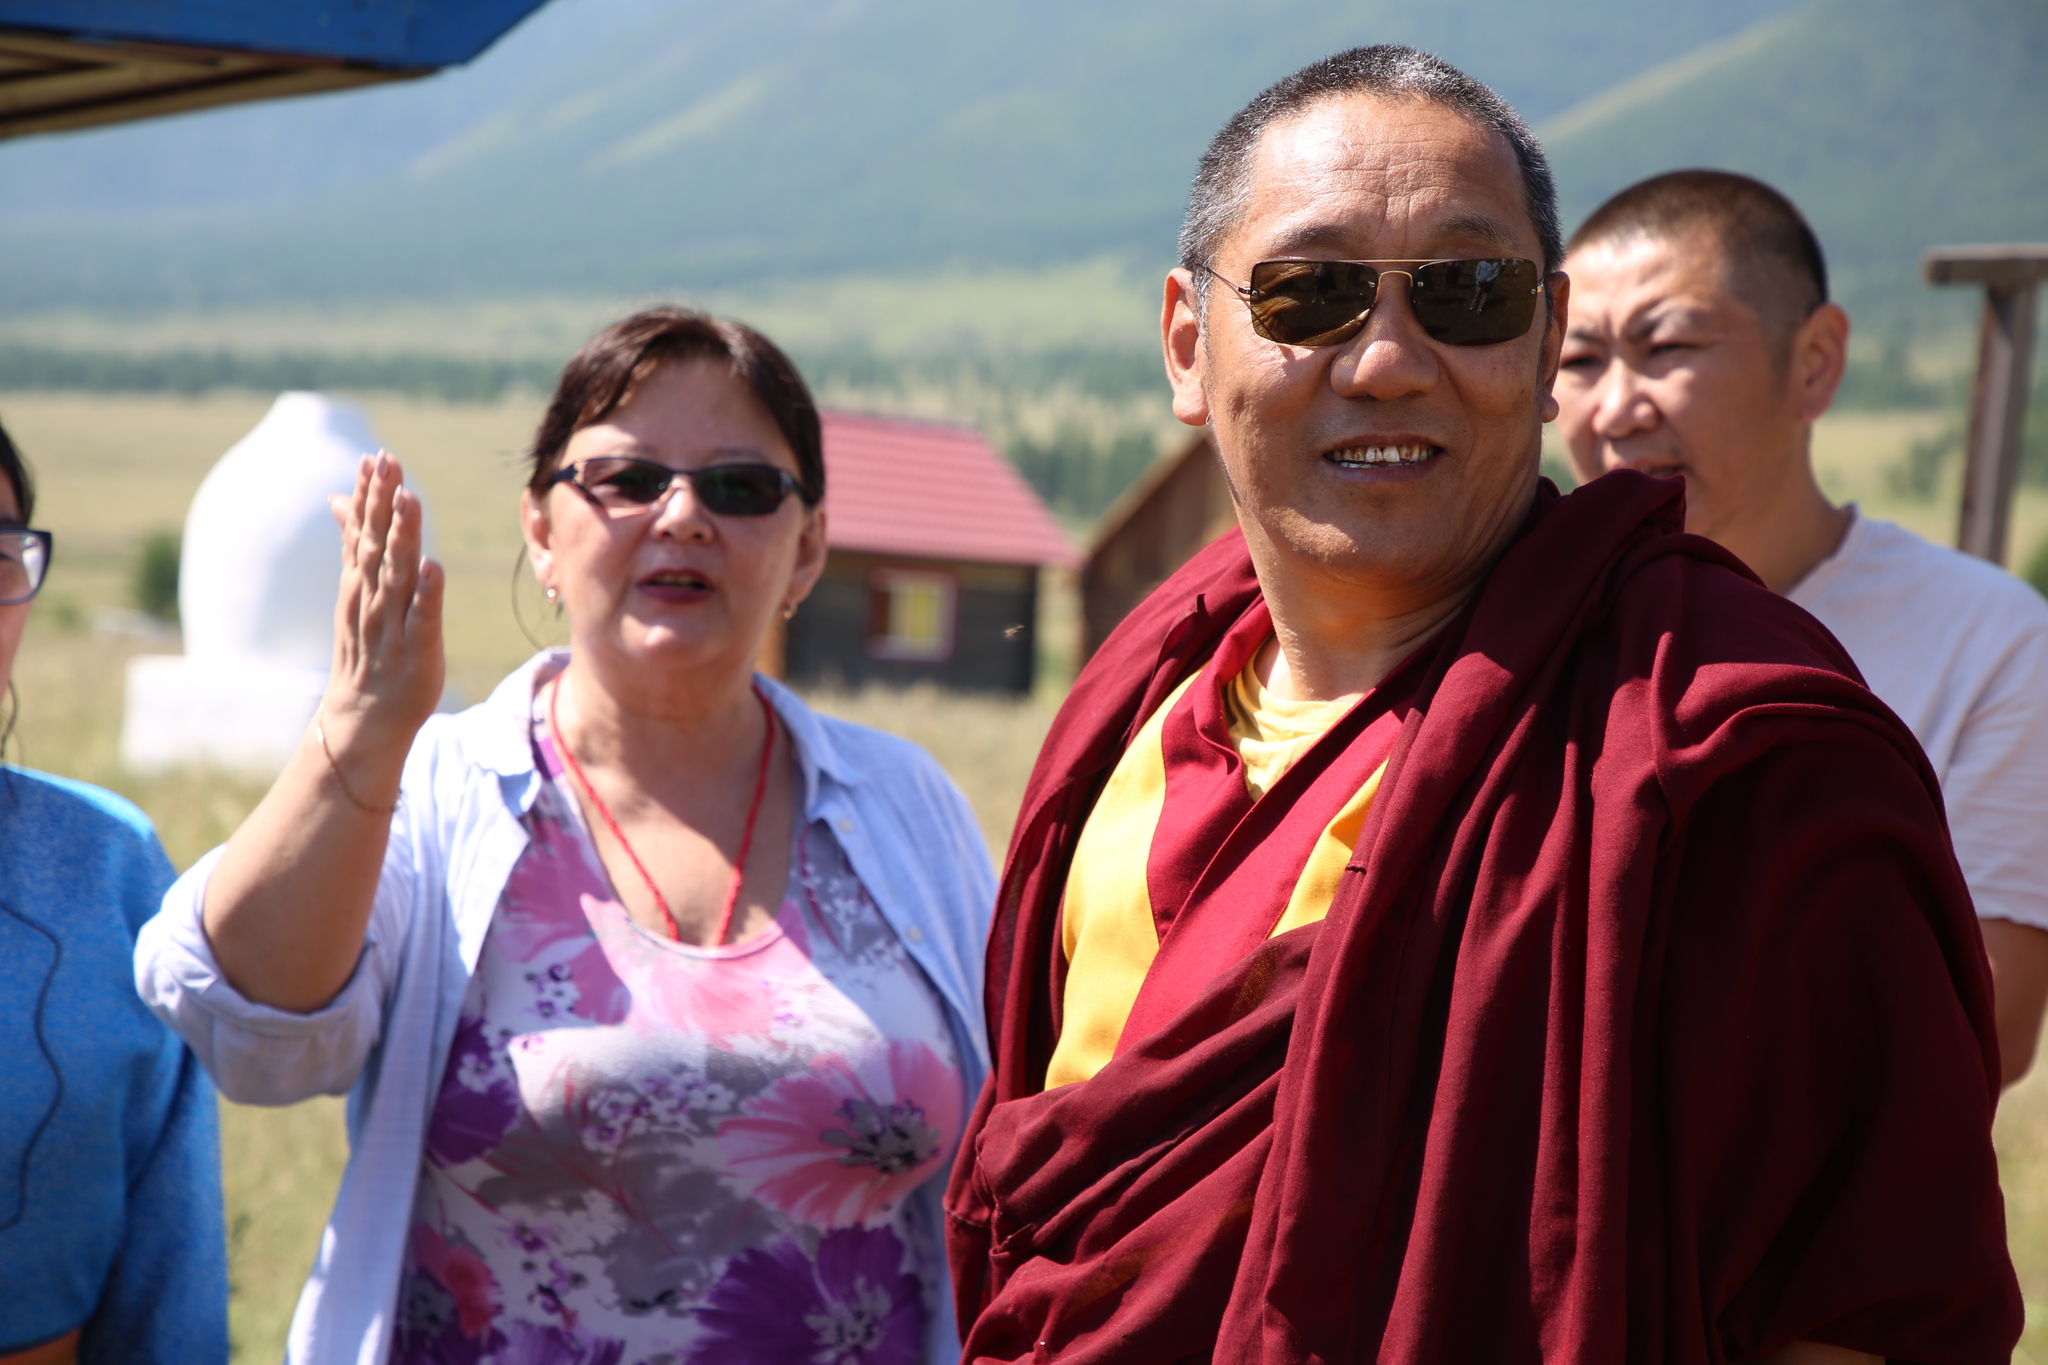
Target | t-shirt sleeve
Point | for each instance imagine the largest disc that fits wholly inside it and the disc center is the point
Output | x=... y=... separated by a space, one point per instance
x=1996 y=787
x=1824 y=1031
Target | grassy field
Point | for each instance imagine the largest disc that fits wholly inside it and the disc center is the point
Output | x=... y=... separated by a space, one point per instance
x=1091 y=302
x=115 y=468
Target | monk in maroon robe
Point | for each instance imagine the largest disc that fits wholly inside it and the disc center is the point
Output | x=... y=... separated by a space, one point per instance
x=1450 y=921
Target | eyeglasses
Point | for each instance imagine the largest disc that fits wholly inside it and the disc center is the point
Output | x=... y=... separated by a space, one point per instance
x=622 y=484
x=24 y=559
x=1323 y=303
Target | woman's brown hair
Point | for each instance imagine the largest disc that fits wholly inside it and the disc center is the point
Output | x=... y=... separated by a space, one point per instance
x=604 y=373
x=15 y=470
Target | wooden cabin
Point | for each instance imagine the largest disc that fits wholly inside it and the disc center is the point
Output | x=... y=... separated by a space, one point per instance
x=1178 y=505
x=935 y=543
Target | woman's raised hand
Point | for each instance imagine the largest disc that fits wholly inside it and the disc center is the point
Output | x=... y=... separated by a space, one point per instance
x=388 y=664
x=288 y=903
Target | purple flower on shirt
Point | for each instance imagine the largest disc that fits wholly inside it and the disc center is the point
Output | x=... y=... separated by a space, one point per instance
x=444 y=1345
x=853 y=1305
x=478 y=1103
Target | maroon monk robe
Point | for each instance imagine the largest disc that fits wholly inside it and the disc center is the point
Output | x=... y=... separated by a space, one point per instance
x=1650 y=1023
x=1215 y=850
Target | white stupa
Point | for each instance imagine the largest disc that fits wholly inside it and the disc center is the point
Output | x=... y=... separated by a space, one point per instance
x=257 y=578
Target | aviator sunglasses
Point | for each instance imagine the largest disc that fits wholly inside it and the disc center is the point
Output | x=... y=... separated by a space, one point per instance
x=1323 y=303
x=620 y=483
x=24 y=559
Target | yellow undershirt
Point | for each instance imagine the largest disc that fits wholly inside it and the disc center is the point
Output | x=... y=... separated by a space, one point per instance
x=1106 y=918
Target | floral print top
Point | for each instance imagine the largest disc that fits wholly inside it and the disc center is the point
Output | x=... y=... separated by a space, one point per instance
x=644 y=1151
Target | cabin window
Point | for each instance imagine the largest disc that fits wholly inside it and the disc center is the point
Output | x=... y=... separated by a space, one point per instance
x=911 y=614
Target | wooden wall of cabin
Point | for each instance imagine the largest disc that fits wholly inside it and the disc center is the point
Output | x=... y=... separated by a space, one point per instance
x=829 y=642
x=1189 y=507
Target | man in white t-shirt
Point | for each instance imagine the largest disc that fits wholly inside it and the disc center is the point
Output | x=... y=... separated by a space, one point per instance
x=1702 y=344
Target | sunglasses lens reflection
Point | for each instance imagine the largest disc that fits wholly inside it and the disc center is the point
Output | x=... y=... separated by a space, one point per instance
x=626 y=483
x=1476 y=303
x=1312 y=303
x=740 y=490
x=1461 y=303
x=728 y=490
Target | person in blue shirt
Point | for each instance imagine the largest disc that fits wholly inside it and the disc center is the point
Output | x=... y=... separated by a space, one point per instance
x=112 y=1241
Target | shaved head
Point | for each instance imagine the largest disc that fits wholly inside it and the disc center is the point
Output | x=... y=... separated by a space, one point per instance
x=1770 y=258
x=1390 y=72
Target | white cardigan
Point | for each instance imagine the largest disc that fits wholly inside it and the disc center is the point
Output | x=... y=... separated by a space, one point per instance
x=907 y=833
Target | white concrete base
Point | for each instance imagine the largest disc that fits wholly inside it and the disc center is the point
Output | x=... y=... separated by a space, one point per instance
x=237 y=714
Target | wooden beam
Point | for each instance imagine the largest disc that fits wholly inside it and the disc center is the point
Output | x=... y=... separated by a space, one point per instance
x=255 y=86
x=48 y=85
x=2011 y=276
x=83 y=85
x=1987 y=264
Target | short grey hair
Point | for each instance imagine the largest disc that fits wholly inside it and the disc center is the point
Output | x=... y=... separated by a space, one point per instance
x=1223 y=181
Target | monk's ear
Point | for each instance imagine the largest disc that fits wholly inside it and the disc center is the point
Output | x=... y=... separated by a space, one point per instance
x=1820 y=355
x=1180 y=335
x=1557 y=315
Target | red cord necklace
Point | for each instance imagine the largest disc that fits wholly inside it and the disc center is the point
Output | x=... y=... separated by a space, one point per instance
x=739 y=867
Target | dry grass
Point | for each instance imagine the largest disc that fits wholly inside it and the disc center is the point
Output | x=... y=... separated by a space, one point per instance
x=282 y=1167
x=1087 y=303
x=987 y=744
x=114 y=469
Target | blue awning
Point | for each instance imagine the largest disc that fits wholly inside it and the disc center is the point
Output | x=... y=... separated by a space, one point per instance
x=75 y=63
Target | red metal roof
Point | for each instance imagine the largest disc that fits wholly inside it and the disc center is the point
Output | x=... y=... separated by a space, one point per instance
x=935 y=492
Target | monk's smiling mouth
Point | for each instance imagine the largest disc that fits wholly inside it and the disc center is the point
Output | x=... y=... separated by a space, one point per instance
x=1380 y=457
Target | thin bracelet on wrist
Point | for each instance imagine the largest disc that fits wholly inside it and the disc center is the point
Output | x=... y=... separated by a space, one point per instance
x=365 y=807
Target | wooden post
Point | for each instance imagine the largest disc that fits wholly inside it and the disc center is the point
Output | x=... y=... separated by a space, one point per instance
x=1998 y=405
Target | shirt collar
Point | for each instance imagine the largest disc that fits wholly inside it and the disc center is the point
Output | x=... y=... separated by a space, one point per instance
x=1820 y=576
x=819 y=760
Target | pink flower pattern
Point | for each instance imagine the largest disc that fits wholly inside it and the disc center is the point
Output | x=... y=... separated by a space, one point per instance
x=463 y=1274
x=837 y=1145
x=638 y=1144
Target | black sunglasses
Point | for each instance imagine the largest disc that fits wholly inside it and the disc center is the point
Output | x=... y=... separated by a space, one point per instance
x=620 y=483
x=1323 y=303
x=24 y=559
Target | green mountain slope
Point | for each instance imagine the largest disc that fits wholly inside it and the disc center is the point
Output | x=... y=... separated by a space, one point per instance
x=618 y=147
x=703 y=144
x=1896 y=124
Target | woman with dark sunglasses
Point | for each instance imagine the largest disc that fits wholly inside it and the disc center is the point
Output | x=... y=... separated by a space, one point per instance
x=111 y=1239
x=657 y=995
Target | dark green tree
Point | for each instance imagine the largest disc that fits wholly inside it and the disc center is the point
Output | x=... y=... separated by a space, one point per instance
x=156 y=576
